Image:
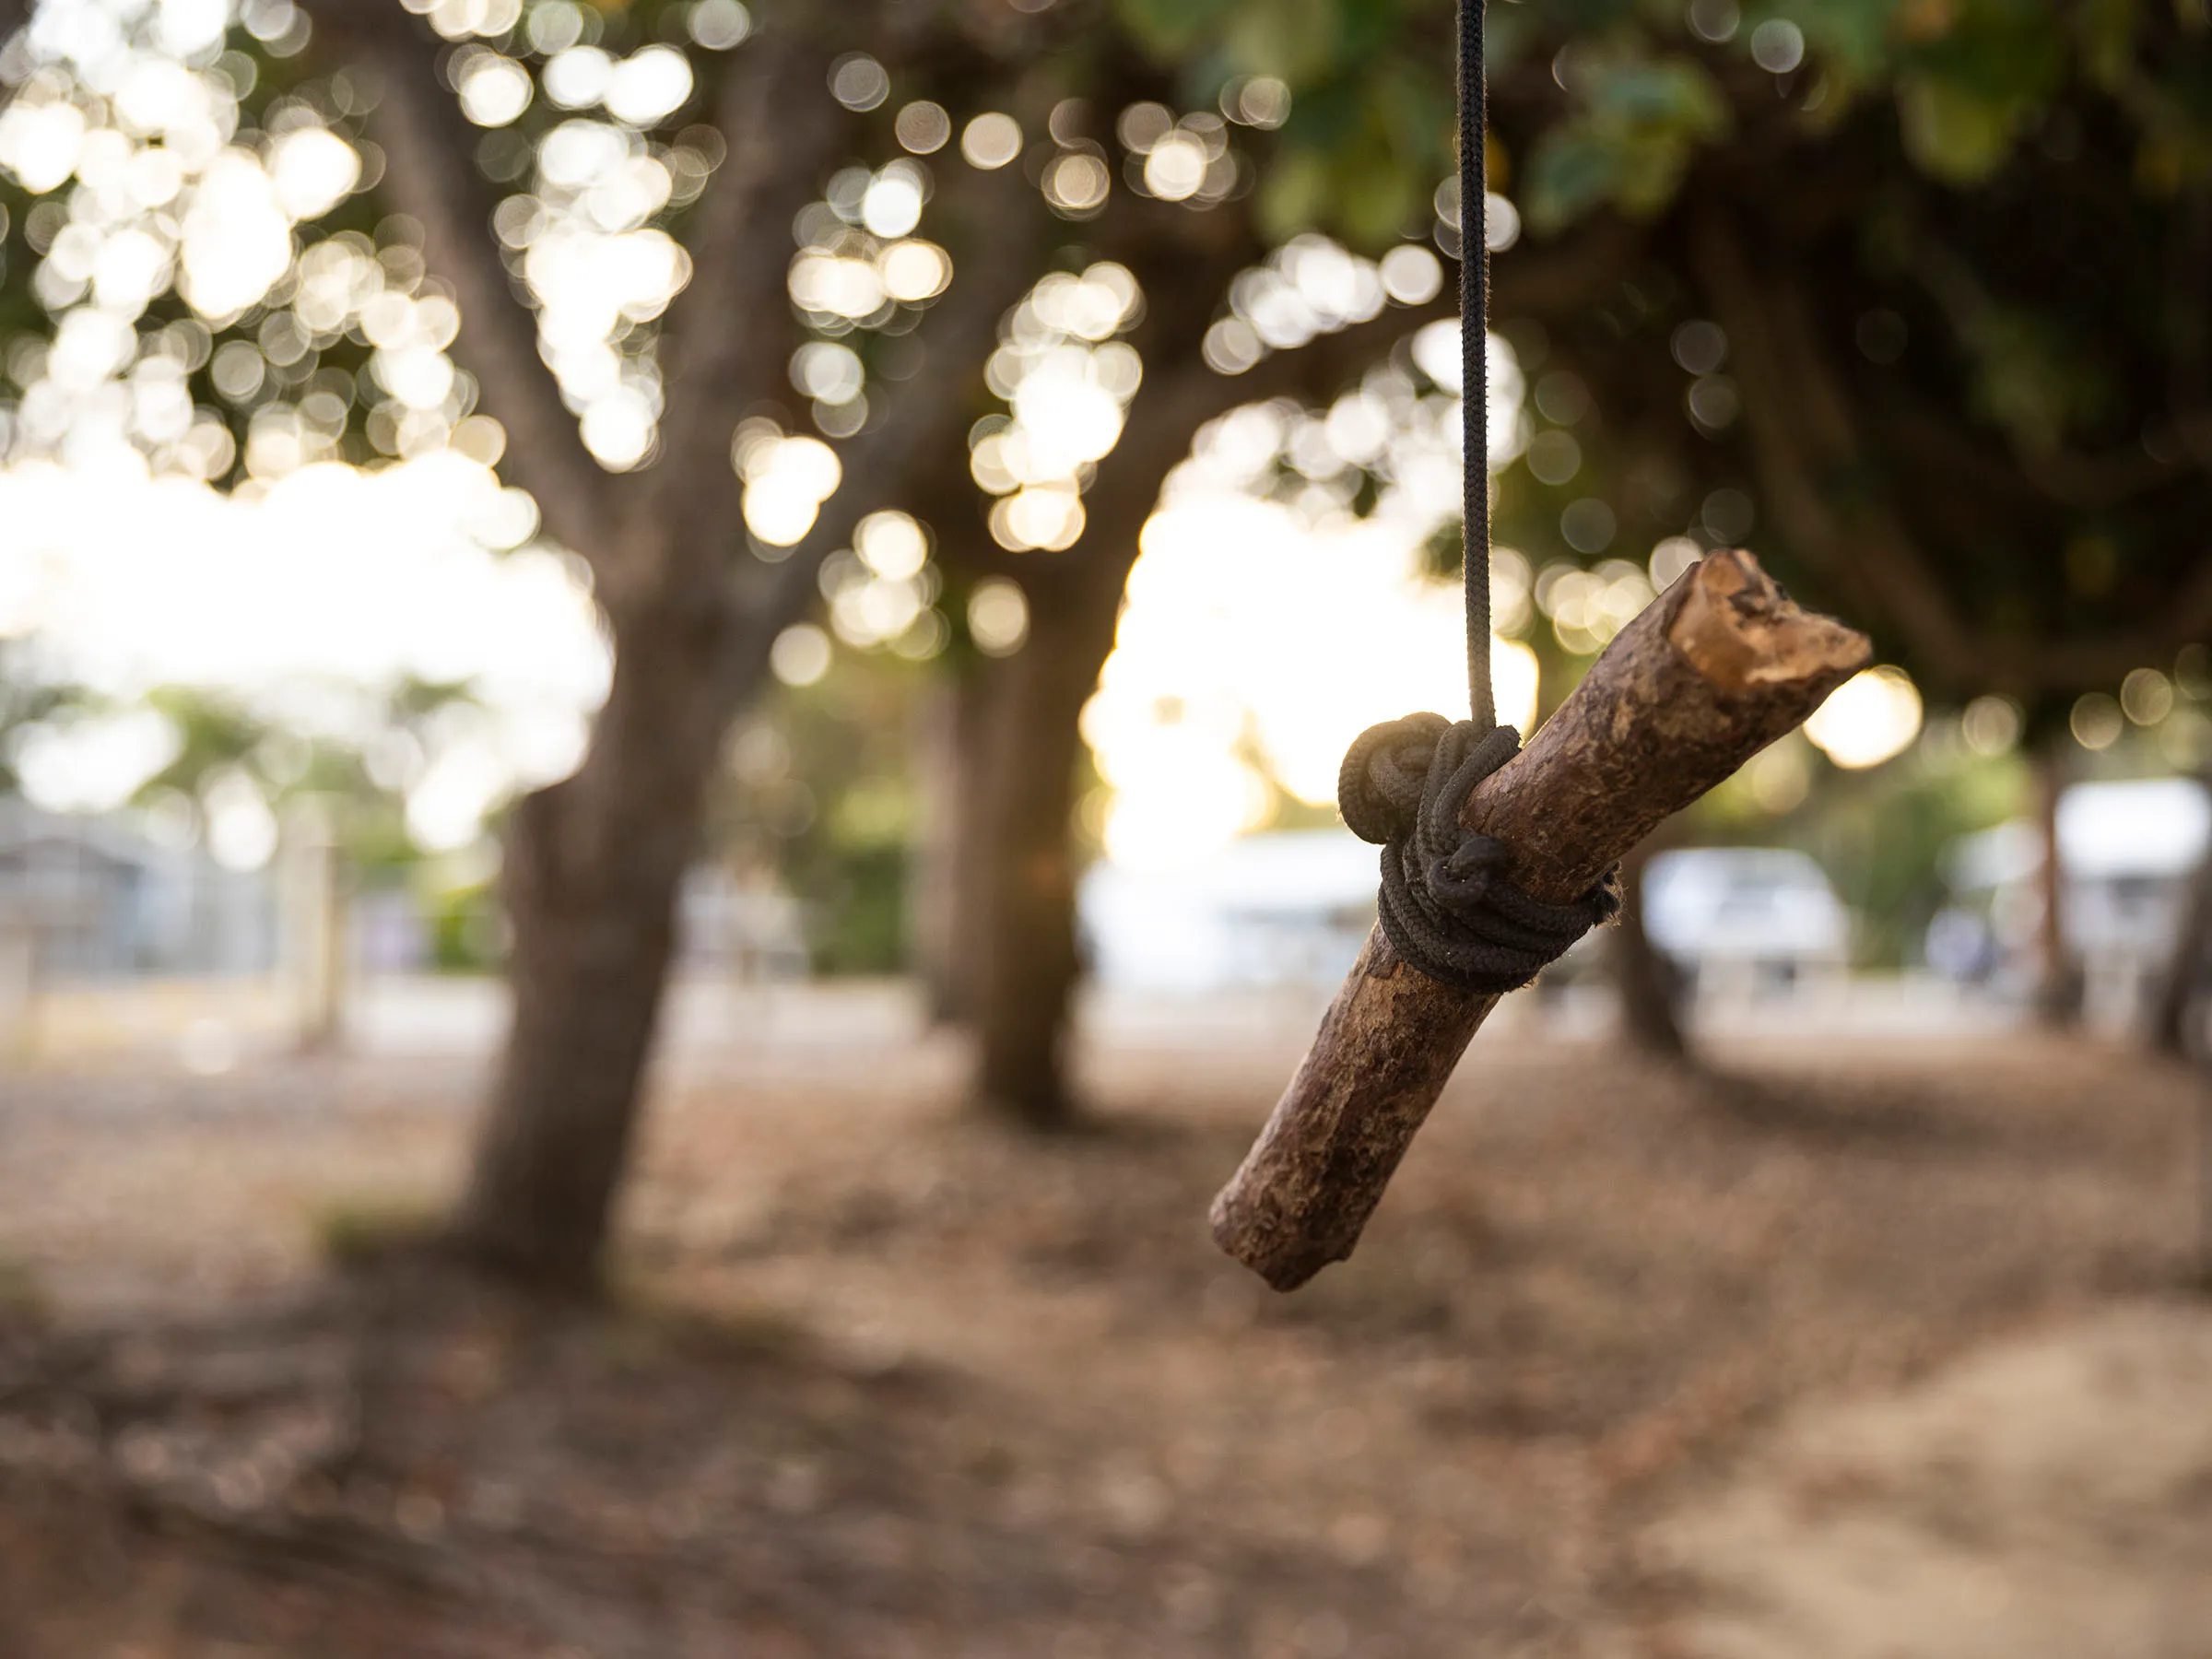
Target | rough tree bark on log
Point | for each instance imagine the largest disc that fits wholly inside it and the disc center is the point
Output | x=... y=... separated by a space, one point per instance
x=1718 y=667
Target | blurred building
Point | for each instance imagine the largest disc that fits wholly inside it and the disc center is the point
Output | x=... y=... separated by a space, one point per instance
x=94 y=898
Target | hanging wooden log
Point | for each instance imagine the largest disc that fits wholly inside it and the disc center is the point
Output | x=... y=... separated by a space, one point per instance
x=1716 y=668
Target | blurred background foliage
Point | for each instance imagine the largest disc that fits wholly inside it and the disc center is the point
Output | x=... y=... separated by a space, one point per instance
x=1928 y=178
x=821 y=797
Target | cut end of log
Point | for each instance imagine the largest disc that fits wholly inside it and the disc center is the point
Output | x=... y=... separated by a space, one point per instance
x=1741 y=632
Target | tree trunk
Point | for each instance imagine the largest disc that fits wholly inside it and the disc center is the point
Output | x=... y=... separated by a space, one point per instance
x=2058 y=989
x=1649 y=983
x=1024 y=947
x=593 y=868
x=942 y=890
x=2184 y=973
x=311 y=898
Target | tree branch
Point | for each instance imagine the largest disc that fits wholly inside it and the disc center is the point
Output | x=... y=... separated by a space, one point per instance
x=2046 y=464
x=1808 y=458
x=431 y=174
x=1814 y=470
x=732 y=332
x=1550 y=280
x=902 y=459
x=918 y=457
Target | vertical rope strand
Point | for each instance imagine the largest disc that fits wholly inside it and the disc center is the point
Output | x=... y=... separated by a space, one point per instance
x=1474 y=379
x=1448 y=903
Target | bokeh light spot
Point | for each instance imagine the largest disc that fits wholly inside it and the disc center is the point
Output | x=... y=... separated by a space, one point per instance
x=998 y=617
x=2095 y=720
x=800 y=655
x=1871 y=718
x=991 y=140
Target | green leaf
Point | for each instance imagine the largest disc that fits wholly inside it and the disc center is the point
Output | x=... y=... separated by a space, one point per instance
x=2107 y=40
x=1298 y=40
x=1571 y=172
x=1641 y=125
x=1380 y=202
x=1850 y=38
x=1670 y=93
x=1952 y=132
x=1169 y=26
x=1294 y=194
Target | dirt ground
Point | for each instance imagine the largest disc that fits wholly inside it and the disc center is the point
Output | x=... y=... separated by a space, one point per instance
x=2050 y=1495
x=1867 y=1350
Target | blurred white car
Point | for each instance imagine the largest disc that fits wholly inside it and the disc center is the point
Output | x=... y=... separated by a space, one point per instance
x=1746 y=919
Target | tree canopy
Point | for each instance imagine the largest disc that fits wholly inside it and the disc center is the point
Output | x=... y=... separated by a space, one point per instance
x=1908 y=293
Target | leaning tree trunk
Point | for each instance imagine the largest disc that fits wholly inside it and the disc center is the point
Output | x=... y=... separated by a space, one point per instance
x=1020 y=943
x=594 y=863
x=1646 y=979
x=2058 y=990
x=1025 y=960
x=593 y=868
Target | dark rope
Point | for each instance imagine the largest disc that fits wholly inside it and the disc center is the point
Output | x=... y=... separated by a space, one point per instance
x=1475 y=359
x=1448 y=904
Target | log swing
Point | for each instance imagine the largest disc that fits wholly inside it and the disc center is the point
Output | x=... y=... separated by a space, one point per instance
x=1496 y=858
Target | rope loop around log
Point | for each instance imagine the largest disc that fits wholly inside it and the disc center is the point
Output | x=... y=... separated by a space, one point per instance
x=1448 y=904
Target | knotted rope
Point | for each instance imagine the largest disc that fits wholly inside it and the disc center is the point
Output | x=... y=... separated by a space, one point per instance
x=1447 y=903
